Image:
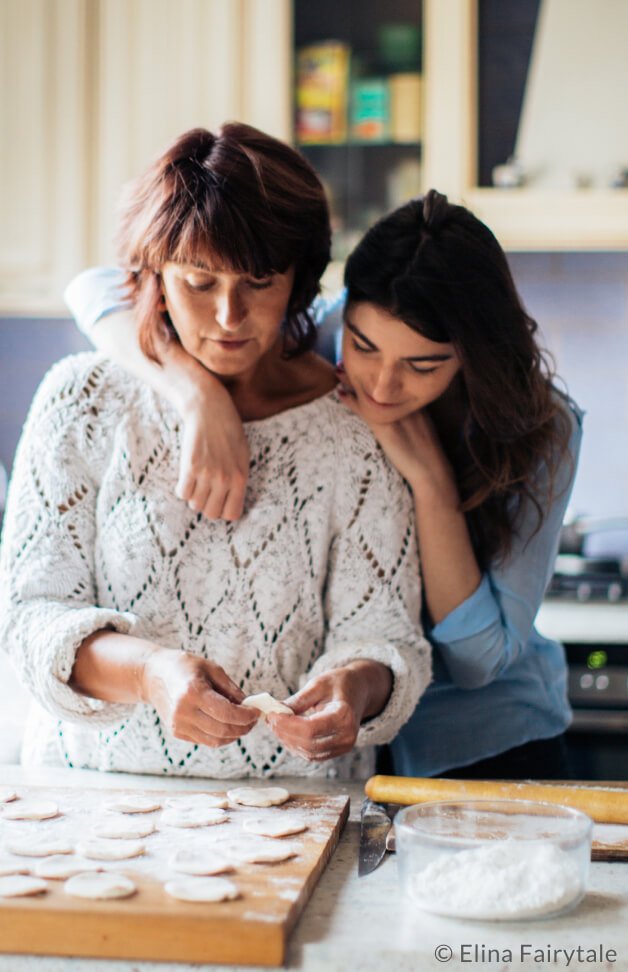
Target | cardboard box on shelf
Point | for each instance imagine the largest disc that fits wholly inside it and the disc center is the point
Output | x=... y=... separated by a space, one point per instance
x=405 y=107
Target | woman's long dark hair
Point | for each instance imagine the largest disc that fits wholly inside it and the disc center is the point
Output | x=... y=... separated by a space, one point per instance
x=238 y=196
x=441 y=271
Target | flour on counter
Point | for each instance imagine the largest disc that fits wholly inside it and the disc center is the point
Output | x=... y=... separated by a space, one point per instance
x=499 y=881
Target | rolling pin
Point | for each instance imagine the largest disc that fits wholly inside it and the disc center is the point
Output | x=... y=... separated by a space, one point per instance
x=604 y=804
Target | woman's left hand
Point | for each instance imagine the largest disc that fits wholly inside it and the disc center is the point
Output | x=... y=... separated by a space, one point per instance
x=329 y=710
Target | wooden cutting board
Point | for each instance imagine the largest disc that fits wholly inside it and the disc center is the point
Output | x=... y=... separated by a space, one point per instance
x=252 y=929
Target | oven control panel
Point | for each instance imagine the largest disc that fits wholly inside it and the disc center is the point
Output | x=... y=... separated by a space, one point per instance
x=598 y=675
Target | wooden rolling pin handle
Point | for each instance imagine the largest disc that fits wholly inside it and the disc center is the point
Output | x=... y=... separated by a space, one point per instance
x=602 y=804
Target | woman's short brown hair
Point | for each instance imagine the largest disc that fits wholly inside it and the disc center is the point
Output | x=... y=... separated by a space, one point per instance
x=239 y=197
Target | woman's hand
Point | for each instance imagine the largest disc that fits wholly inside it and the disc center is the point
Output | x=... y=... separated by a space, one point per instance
x=330 y=708
x=195 y=699
x=214 y=463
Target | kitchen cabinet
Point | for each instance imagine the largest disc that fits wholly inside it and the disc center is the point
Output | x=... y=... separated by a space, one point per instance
x=92 y=89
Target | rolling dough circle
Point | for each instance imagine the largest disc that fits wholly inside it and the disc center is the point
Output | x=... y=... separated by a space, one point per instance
x=265 y=703
x=204 y=801
x=59 y=867
x=257 y=850
x=123 y=828
x=29 y=810
x=19 y=886
x=104 y=884
x=134 y=803
x=199 y=862
x=40 y=847
x=201 y=889
x=12 y=867
x=193 y=817
x=101 y=849
x=7 y=794
x=258 y=796
x=279 y=826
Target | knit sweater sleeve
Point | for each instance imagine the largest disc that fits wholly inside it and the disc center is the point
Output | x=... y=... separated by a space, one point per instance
x=48 y=600
x=373 y=589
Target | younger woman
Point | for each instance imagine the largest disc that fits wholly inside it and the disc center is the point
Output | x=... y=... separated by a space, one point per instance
x=441 y=360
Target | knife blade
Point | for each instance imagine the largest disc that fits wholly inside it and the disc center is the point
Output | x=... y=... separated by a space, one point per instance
x=374 y=826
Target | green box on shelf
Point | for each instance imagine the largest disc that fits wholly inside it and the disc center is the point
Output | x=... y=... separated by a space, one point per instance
x=370 y=110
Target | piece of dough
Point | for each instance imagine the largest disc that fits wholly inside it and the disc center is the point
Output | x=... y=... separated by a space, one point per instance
x=194 y=817
x=19 y=886
x=101 y=849
x=201 y=889
x=60 y=867
x=134 y=803
x=29 y=810
x=266 y=704
x=40 y=846
x=197 y=800
x=281 y=825
x=12 y=867
x=254 y=796
x=7 y=794
x=252 y=850
x=200 y=862
x=123 y=828
x=104 y=884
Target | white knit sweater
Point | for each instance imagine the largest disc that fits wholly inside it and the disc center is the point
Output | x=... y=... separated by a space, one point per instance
x=322 y=569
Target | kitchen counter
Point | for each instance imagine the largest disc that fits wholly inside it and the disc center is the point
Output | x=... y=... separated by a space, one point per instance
x=353 y=923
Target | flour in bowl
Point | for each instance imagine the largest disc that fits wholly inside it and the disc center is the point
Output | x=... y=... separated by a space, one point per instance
x=499 y=881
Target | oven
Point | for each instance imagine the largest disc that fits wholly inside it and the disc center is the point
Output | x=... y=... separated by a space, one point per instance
x=586 y=608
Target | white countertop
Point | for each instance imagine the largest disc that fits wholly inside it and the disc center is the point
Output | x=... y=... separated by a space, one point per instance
x=356 y=924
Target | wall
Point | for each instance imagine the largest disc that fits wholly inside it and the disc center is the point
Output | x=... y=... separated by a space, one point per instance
x=580 y=301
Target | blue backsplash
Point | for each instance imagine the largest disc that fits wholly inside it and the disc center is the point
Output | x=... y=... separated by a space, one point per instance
x=580 y=301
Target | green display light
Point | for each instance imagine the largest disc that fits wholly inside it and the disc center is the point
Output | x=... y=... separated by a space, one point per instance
x=597 y=659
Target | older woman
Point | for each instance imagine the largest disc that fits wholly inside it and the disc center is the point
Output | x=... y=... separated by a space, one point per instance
x=140 y=626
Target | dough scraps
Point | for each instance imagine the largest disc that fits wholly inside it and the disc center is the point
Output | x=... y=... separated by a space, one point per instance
x=19 y=886
x=134 y=803
x=280 y=825
x=40 y=846
x=30 y=810
x=201 y=889
x=102 y=885
x=123 y=828
x=7 y=794
x=200 y=862
x=253 y=796
x=197 y=800
x=59 y=867
x=256 y=850
x=101 y=849
x=193 y=817
x=266 y=704
x=12 y=867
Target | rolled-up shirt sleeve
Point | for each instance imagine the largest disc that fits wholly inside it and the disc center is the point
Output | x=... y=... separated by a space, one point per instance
x=487 y=632
x=94 y=294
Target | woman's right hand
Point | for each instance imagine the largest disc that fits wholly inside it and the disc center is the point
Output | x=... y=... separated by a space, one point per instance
x=214 y=464
x=195 y=698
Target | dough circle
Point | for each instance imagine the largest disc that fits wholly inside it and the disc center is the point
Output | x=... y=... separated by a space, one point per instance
x=19 y=886
x=30 y=810
x=7 y=794
x=193 y=817
x=265 y=703
x=204 y=801
x=40 y=847
x=12 y=867
x=104 y=884
x=134 y=803
x=59 y=867
x=258 y=796
x=199 y=862
x=201 y=889
x=101 y=849
x=123 y=828
x=257 y=850
x=281 y=825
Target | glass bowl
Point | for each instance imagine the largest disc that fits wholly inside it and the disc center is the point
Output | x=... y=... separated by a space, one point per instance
x=493 y=860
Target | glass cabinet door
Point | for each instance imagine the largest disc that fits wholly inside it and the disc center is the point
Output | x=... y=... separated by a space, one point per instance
x=358 y=93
